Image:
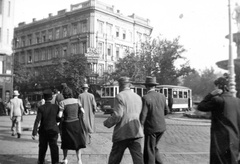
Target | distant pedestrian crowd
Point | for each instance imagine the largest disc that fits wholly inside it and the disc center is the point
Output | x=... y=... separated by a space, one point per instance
x=139 y=122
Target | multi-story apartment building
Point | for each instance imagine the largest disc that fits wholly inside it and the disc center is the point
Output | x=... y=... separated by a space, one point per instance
x=92 y=28
x=6 y=35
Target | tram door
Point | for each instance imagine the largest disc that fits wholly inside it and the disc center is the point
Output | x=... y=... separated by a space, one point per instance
x=165 y=92
x=189 y=99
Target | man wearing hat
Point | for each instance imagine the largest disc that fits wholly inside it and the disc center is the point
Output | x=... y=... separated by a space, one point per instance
x=89 y=105
x=152 y=118
x=48 y=130
x=225 y=128
x=16 y=112
x=128 y=132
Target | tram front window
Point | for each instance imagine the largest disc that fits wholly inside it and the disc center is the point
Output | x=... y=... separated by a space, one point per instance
x=108 y=91
x=139 y=91
x=180 y=94
x=185 y=94
x=175 y=94
x=111 y=92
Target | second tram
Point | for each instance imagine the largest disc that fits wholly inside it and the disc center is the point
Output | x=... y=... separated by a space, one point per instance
x=178 y=98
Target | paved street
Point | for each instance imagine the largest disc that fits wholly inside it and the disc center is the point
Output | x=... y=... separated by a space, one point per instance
x=186 y=141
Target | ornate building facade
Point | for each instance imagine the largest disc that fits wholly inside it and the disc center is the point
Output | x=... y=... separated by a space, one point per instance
x=6 y=35
x=92 y=28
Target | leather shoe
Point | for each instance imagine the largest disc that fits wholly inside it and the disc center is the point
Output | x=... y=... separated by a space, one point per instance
x=18 y=135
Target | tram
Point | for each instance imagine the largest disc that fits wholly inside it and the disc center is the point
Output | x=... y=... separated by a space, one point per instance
x=179 y=96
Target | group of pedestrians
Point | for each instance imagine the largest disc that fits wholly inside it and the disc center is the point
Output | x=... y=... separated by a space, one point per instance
x=75 y=117
x=139 y=123
x=135 y=118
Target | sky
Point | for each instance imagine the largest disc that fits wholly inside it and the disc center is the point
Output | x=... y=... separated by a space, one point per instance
x=201 y=25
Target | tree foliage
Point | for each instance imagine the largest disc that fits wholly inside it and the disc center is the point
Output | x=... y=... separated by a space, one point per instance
x=75 y=69
x=156 y=58
x=22 y=76
x=201 y=83
x=71 y=70
x=128 y=66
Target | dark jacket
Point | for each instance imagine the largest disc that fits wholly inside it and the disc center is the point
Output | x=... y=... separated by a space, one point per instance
x=152 y=115
x=225 y=128
x=47 y=115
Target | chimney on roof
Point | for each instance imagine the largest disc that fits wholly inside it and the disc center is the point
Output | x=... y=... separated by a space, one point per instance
x=50 y=15
x=21 y=24
x=34 y=19
x=61 y=12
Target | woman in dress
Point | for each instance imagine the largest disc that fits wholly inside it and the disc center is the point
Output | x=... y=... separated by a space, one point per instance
x=73 y=127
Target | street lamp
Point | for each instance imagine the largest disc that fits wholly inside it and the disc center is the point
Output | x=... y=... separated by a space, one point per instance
x=232 y=83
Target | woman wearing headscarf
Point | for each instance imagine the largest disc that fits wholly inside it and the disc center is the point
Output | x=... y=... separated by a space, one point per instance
x=73 y=127
x=225 y=128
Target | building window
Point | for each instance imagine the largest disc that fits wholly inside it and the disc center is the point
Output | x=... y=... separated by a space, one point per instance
x=49 y=53
x=37 y=38
x=84 y=47
x=43 y=36
x=84 y=26
x=100 y=49
x=65 y=51
x=109 y=48
x=29 y=39
x=110 y=68
x=139 y=36
x=65 y=31
x=42 y=54
x=36 y=54
x=74 y=48
x=39 y=55
x=117 y=53
x=74 y=28
x=101 y=69
x=57 y=52
x=23 y=41
x=1 y=6
x=124 y=34
x=57 y=32
x=50 y=34
x=117 y=32
x=29 y=57
x=45 y=55
x=109 y=29
x=100 y=27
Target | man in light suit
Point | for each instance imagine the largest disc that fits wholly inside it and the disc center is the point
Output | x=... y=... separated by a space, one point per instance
x=16 y=112
x=128 y=132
